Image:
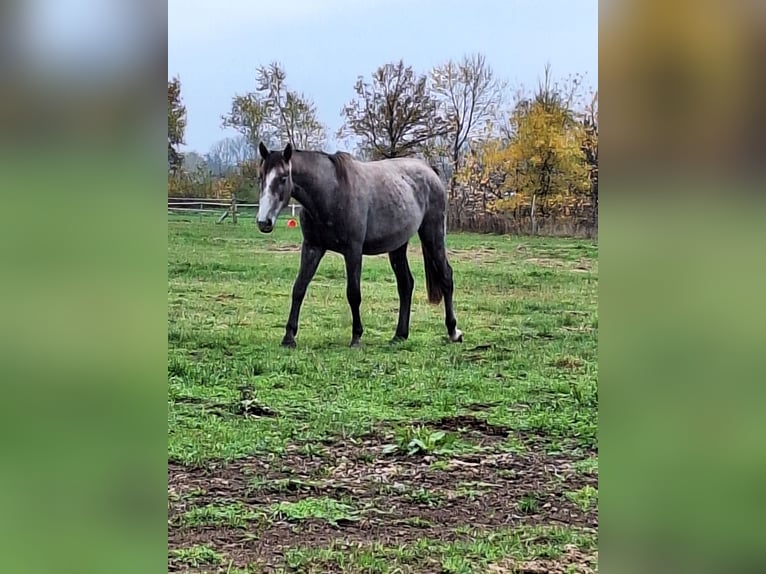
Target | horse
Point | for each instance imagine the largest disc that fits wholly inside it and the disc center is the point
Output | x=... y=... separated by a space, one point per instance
x=356 y=208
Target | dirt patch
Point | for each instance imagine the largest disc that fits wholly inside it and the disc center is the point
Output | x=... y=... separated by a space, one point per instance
x=546 y=262
x=245 y=409
x=279 y=249
x=396 y=500
x=285 y=248
x=192 y=401
x=470 y=423
x=477 y=354
x=480 y=255
x=567 y=362
x=227 y=297
x=579 y=266
x=572 y=561
x=584 y=266
x=480 y=407
x=252 y=409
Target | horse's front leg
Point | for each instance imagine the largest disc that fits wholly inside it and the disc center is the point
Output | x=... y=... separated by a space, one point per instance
x=310 y=258
x=354 y=294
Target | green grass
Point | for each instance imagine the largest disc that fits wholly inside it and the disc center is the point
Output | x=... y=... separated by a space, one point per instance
x=230 y=514
x=584 y=497
x=197 y=556
x=476 y=554
x=327 y=509
x=528 y=363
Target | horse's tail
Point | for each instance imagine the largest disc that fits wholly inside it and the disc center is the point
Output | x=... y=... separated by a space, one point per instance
x=432 y=233
x=433 y=277
x=438 y=269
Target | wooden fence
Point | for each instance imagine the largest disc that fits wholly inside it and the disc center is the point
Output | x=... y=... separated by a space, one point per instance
x=577 y=224
x=226 y=208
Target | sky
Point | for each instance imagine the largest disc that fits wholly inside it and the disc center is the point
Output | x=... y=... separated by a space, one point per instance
x=324 y=45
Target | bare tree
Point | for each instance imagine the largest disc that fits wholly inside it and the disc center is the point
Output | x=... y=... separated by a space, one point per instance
x=469 y=95
x=240 y=150
x=394 y=115
x=218 y=158
x=193 y=161
x=229 y=153
x=275 y=114
x=436 y=152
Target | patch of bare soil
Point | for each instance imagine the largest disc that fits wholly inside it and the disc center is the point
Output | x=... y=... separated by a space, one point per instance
x=280 y=249
x=480 y=254
x=227 y=297
x=582 y=265
x=567 y=362
x=545 y=262
x=572 y=561
x=472 y=423
x=398 y=499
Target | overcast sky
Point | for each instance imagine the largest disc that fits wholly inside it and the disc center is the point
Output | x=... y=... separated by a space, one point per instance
x=215 y=47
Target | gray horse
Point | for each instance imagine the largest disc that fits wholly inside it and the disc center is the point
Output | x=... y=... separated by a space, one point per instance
x=358 y=208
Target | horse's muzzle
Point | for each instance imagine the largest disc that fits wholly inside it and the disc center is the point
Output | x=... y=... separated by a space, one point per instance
x=265 y=226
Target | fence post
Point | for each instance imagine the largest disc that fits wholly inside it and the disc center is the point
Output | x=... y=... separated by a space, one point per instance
x=233 y=209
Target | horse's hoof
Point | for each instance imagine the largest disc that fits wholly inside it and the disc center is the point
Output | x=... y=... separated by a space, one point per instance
x=398 y=339
x=355 y=344
x=288 y=343
x=457 y=336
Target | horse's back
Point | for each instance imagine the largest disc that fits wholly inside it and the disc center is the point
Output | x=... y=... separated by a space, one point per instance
x=399 y=192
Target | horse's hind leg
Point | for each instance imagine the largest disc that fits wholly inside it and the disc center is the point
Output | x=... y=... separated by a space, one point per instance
x=450 y=321
x=439 y=273
x=311 y=256
x=405 y=283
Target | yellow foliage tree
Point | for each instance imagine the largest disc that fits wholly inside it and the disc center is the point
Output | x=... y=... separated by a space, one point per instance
x=480 y=180
x=483 y=168
x=546 y=157
x=542 y=164
x=222 y=188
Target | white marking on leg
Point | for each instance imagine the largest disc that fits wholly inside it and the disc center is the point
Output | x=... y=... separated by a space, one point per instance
x=456 y=336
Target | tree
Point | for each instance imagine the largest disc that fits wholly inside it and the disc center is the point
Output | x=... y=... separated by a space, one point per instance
x=545 y=154
x=482 y=179
x=176 y=125
x=192 y=161
x=590 y=149
x=229 y=154
x=275 y=114
x=469 y=95
x=536 y=165
x=394 y=115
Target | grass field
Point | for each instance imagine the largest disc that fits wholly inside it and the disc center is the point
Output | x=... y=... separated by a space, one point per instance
x=419 y=457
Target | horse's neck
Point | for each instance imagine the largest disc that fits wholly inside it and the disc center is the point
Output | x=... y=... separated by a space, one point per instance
x=307 y=179
x=303 y=196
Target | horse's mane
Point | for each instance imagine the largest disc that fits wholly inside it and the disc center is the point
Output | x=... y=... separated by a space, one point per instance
x=341 y=160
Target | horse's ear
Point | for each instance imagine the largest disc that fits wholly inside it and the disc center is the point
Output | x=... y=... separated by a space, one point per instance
x=264 y=151
x=288 y=152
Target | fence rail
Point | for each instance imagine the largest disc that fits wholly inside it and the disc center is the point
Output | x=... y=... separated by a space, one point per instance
x=227 y=208
x=579 y=223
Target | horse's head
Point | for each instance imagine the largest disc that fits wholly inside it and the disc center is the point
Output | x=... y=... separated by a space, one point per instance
x=275 y=178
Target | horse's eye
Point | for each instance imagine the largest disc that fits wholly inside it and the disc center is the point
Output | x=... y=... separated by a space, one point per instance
x=283 y=179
